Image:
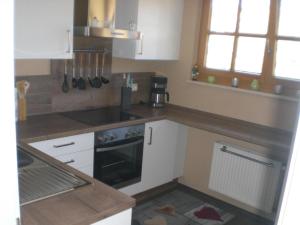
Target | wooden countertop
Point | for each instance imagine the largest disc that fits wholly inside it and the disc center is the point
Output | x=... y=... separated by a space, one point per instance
x=50 y=126
x=92 y=203
x=242 y=130
x=82 y=206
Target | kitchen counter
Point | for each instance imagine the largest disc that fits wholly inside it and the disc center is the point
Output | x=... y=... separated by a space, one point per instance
x=82 y=206
x=94 y=202
x=242 y=130
x=50 y=126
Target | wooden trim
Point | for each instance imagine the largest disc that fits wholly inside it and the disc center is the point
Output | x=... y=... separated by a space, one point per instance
x=205 y=21
x=288 y=38
x=269 y=62
x=236 y=33
x=266 y=78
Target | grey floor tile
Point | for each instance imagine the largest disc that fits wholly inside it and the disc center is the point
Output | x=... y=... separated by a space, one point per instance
x=150 y=212
x=142 y=207
x=184 y=201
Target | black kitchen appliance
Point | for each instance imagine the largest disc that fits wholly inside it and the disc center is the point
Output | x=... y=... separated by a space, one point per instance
x=159 y=95
x=101 y=116
x=118 y=155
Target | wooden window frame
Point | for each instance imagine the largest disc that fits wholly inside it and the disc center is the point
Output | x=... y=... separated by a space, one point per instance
x=266 y=79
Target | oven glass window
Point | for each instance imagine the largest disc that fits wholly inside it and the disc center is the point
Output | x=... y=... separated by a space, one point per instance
x=120 y=166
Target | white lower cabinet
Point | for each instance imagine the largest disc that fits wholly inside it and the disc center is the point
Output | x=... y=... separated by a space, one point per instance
x=132 y=189
x=163 y=157
x=88 y=170
x=77 y=151
x=123 y=218
x=82 y=161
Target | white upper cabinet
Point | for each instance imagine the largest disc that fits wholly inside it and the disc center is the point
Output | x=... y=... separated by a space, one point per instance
x=159 y=22
x=44 y=29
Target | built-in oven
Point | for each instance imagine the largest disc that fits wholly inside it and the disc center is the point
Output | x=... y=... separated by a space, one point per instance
x=118 y=155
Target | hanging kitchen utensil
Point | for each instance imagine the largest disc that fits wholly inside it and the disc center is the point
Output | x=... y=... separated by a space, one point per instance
x=22 y=87
x=97 y=81
x=65 y=85
x=81 y=81
x=103 y=79
x=74 y=80
x=89 y=69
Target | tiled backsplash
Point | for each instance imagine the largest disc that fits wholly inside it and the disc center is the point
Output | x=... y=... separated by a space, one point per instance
x=45 y=94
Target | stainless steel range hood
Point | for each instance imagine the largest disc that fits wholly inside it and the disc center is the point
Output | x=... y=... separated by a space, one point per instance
x=96 y=18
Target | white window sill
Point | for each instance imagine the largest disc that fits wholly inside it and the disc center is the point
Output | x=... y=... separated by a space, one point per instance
x=281 y=97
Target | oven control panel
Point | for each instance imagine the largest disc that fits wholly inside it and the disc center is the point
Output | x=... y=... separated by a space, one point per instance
x=119 y=134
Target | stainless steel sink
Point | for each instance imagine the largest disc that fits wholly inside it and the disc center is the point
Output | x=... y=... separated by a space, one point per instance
x=39 y=180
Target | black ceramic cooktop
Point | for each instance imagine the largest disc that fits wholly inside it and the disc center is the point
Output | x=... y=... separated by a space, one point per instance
x=102 y=116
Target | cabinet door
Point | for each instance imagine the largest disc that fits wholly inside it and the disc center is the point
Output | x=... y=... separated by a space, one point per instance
x=77 y=151
x=43 y=28
x=82 y=161
x=159 y=154
x=88 y=170
x=65 y=145
x=123 y=218
x=160 y=22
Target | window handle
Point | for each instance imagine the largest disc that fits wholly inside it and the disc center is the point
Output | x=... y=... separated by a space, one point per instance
x=269 y=49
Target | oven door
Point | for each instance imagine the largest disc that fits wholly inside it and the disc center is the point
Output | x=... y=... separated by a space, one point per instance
x=119 y=164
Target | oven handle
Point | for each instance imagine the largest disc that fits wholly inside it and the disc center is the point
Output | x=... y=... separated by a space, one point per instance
x=119 y=146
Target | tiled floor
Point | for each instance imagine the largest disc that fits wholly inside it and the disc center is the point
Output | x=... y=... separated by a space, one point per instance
x=184 y=200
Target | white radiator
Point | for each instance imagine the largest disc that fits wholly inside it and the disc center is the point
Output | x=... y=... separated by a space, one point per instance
x=244 y=176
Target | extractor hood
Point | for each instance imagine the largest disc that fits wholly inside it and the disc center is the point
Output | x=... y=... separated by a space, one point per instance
x=96 y=18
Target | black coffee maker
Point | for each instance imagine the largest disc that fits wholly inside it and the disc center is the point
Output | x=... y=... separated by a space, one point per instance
x=158 y=95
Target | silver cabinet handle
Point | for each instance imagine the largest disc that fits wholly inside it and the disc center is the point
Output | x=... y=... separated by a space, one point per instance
x=113 y=164
x=70 y=161
x=151 y=134
x=64 y=145
x=99 y=149
x=69 y=42
x=224 y=149
x=114 y=33
x=141 y=52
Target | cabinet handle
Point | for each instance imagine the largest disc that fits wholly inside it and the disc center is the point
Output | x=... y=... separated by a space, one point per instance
x=114 y=33
x=64 y=145
x=69 y=162
x=151 y=134
x=69 y=42
x=141 y=52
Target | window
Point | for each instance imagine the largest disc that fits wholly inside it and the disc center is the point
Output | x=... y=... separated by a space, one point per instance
x=251 y=39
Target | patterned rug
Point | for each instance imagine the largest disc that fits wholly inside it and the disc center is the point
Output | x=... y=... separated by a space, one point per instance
x=208 y=214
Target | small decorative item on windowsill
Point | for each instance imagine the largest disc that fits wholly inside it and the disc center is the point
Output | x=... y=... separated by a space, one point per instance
x=235 y=82
x=195 y=72
x=278 y=89
x=211 y=79
x=254 y=85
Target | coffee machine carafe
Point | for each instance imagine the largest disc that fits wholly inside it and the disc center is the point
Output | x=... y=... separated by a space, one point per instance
x=158 y=95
